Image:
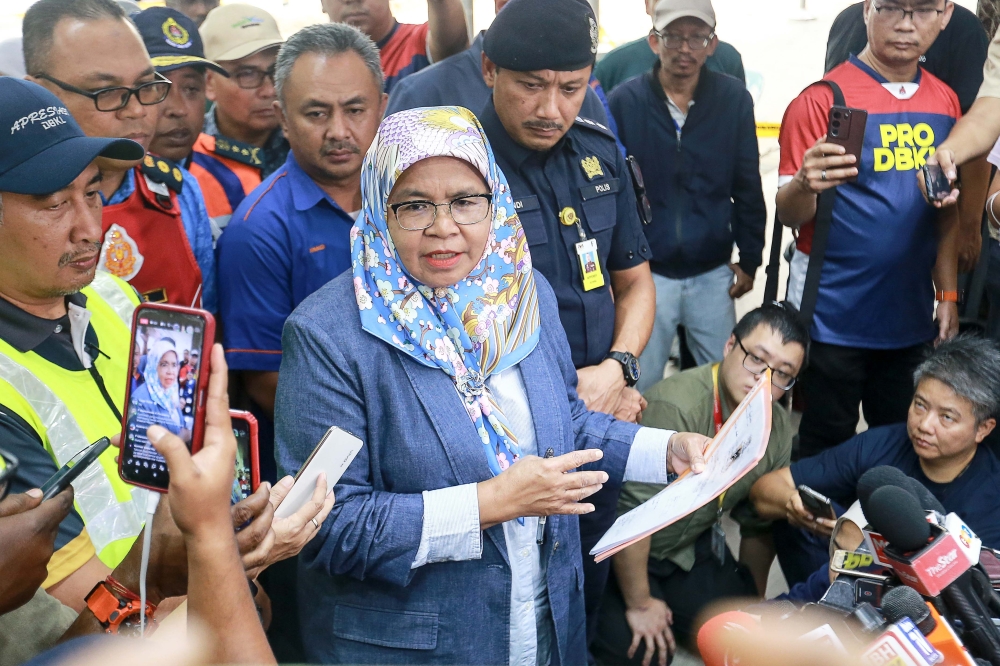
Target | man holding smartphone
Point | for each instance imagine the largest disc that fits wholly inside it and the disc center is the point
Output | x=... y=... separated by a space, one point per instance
x=889 y=254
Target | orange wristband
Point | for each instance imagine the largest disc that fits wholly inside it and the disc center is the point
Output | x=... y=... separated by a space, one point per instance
x=947 y=296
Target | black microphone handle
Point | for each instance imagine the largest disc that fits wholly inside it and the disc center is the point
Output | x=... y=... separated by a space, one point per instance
x=981 y=583
x=966 y=605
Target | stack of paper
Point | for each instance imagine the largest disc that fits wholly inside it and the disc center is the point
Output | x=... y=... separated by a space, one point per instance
x=736 y=450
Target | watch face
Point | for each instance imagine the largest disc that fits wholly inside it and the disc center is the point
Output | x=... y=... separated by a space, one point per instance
x=633 y=368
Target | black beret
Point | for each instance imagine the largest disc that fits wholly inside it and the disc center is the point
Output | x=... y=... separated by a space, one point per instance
x=528 y=35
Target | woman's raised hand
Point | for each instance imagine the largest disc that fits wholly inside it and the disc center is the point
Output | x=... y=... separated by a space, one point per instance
x=535 y=486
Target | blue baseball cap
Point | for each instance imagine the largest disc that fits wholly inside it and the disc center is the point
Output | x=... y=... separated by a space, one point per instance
x=172 y=40
x=45 y=150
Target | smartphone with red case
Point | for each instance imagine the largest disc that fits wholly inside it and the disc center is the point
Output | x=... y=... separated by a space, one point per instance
x=846 y=128
x=167 y=386
x=247 y=455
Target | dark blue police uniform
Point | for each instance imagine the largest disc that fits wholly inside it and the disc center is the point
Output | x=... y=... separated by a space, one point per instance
x=601 y=194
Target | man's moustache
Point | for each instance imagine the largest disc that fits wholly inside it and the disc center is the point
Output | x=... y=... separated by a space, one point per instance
x=543 y=125
x=340 y=145
x=76 y=256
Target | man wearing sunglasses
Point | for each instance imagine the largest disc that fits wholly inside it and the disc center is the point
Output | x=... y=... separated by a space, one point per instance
x=693 y=134
x=662 y=583
x=157 y=234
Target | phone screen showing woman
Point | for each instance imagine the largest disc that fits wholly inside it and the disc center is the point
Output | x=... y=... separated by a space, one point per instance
x=163 y=388
x=242 y=483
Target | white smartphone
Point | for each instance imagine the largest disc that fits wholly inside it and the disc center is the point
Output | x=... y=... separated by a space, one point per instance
x=332 y=455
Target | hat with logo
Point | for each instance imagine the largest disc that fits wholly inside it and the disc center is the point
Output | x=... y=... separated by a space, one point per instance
x=668 y=11
x=42 y=149
x=529 y=35
x=235 y=31
x=172 y=40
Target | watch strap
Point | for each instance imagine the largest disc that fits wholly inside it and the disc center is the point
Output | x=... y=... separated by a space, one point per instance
x=948 y=296
x=624 y=358
x=110 y=610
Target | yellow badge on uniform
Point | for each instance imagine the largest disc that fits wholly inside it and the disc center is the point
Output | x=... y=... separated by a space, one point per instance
x=592 y=167
x=568 y=216
x=176 y=173
x=176 y=34
x=148 y=161
x=590 y=264
x=163 y=166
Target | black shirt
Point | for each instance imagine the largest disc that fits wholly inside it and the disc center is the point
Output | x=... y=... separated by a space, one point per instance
x=956 y=57
x=586 y=172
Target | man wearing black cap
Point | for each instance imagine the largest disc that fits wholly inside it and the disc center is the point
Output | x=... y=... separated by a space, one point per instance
x=157 y=234
x=572 y=191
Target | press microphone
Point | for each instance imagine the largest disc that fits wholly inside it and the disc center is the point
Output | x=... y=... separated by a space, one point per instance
x=929 y=559
x=903 y=601
x=712 y=637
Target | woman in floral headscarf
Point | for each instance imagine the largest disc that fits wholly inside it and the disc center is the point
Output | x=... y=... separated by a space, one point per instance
x=158 y=396
x=443 y=352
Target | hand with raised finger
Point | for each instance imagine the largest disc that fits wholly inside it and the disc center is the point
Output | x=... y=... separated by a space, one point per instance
x=295 y=531
x=686 y=450
x=253 y=521
x=535 y=486
x=28 y=529
x=825 y=165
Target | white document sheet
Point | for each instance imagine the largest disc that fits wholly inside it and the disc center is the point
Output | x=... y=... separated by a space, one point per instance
x=736 y=450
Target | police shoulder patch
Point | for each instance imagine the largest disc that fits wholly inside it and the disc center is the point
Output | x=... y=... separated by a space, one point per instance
x=162 y=170
x=239 y=151
x=594 y=125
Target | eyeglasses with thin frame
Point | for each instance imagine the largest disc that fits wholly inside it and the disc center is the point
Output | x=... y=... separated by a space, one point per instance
x=150 y=93
x=420 y=215
x=251 y=78
x=676 y=41
x=896 y=13
x=755 y=365
x=8 y=467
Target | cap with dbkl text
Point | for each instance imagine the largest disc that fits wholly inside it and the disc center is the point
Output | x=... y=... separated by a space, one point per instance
x=42 y=149
x=231 y=32
x=529 y=35
x=172 y=40
x=668 y=11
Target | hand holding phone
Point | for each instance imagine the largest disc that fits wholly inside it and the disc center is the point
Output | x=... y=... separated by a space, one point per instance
x=167 y=385
x=818 y=505
x=846 y=127
x=247 y=455
x=936 y=183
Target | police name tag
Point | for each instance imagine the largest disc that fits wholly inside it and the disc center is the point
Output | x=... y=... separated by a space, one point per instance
x=590 y=264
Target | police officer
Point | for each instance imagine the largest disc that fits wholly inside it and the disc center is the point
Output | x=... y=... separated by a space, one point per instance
x=572 y=192
x=157 y=235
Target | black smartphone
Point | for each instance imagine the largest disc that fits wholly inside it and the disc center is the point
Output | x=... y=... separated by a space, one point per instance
x=818 y=505
x=846 y=127
x=73 y=468
x=936 y=182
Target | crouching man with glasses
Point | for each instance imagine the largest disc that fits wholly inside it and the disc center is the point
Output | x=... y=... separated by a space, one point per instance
x=156 y=231
x=662 y=583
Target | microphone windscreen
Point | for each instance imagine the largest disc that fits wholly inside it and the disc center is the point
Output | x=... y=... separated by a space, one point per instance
x=927 y=499
x=711 y=637
x=903 y=601
x=877 y=477
x=897 y=515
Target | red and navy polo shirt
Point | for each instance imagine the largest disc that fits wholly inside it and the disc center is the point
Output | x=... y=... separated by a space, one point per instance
x=403 y=52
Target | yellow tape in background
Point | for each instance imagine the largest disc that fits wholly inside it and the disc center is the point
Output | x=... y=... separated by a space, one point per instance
x=768 y=130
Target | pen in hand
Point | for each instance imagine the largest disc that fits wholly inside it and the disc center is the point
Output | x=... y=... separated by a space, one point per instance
x=540 y=534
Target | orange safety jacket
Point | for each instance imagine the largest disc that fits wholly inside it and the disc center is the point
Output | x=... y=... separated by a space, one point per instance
x=227 y=171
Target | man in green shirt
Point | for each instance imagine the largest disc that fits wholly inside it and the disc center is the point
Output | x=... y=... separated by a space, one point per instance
x=667 y=579
x=635 y=58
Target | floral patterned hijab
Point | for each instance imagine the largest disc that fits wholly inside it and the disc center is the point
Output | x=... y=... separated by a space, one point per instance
x=167 y=398
x=486 y=323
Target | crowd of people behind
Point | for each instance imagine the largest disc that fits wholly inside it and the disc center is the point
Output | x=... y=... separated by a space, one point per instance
x=481 y=258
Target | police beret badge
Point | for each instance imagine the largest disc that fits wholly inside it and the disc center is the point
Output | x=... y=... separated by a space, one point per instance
x=175 y=34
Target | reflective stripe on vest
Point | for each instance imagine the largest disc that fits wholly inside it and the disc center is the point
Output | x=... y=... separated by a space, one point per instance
x=112 y=522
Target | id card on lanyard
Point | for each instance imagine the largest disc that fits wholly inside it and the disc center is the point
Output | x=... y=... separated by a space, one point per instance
x=718 y=534
x=586 y=251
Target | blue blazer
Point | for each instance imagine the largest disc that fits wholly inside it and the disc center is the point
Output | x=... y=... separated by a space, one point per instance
x=360 y=602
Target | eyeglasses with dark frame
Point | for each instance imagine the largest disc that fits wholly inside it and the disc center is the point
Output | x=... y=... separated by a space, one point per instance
x=111 y=99
x=676 y=41
x=251 y=78
x=896 y=13
x=419 y=215
x=757 y=366
x=7 y=471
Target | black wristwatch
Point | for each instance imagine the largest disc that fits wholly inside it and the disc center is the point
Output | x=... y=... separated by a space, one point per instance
x=630 y=366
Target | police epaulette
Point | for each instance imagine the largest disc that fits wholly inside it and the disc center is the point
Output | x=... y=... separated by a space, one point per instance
x=594 y=125
x=239 y=151
x=162 y=170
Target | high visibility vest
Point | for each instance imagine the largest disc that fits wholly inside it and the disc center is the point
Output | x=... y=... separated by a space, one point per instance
x=227 y=171
x=67 y=410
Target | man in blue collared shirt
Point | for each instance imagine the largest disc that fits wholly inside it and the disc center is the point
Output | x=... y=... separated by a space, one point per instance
x=291 y=235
